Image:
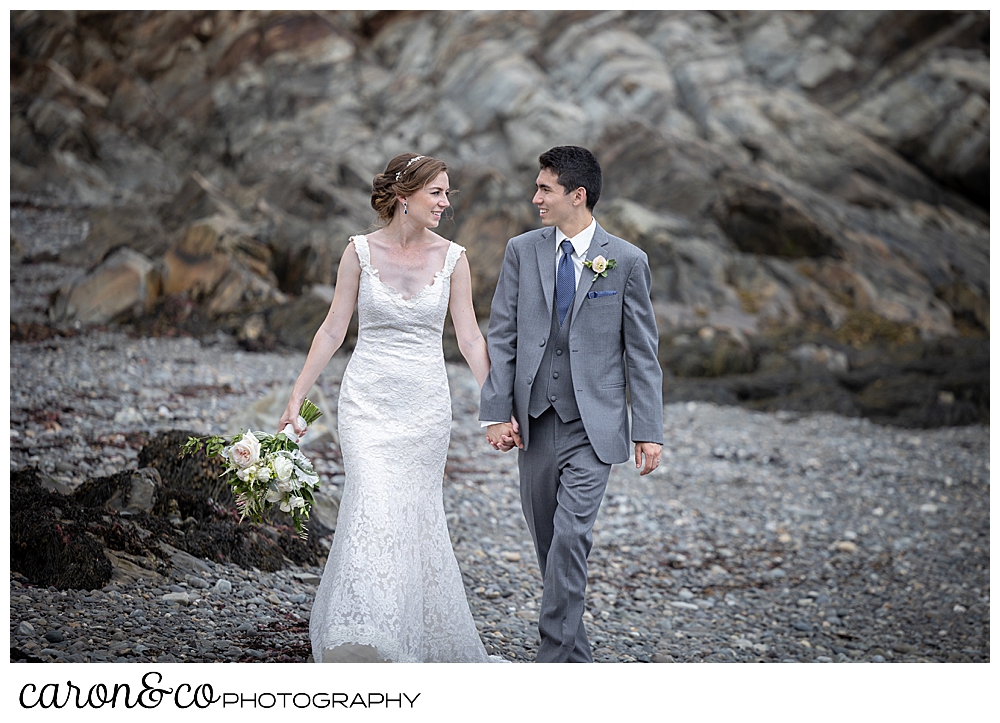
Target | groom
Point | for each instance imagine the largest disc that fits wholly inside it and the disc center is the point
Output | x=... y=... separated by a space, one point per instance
x=571 y=320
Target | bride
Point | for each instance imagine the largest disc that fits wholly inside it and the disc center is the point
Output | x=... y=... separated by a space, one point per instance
x=392 y=590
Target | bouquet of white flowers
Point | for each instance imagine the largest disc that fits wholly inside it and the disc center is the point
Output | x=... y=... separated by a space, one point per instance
x=266 y=469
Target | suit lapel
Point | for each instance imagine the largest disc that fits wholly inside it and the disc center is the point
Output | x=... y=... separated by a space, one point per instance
x=598 y=247
x=545 y=248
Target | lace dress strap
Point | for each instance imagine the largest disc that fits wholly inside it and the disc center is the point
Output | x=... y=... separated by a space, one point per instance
x=450 y=259
x=363 y=251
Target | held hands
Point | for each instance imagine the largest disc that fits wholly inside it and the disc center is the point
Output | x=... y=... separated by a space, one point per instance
x=651 y=452
x=504 y=436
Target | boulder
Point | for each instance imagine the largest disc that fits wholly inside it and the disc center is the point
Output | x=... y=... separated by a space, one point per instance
x=129 y=569
x=196 y=263
x=131 y=225
x=126 y=284
x=129 y=491
x=254 y=335
x=196 y=199
x=240 y=289
x=295 y=324
x=218 y=262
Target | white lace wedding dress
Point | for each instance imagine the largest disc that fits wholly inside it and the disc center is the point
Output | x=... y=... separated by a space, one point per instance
x=392 y=590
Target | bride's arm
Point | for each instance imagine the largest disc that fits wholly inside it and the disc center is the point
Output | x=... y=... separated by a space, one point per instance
x=463 y=315
x=329 y=336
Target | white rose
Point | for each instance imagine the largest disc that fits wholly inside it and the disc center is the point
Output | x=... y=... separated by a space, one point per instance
x=245 y=452
x=246 y=473
x=284 y=486
x=274 y=495
x=293 y=502
x=283 y=468
x=599 y=265
x=263 y=473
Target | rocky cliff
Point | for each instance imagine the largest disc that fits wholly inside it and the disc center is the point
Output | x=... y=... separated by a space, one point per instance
x=811 y=187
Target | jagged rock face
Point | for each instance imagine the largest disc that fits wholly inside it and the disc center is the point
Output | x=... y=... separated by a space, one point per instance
x=778 y=167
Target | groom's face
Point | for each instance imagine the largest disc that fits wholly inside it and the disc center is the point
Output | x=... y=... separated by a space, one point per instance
x=555 y=206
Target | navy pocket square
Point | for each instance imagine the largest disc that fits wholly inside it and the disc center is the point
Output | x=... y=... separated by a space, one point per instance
x=599 y=294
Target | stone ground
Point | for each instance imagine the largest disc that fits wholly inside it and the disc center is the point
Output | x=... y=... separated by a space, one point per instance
x=762 y=537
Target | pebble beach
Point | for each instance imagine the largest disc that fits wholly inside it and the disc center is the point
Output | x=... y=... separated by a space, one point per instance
x=772 y=537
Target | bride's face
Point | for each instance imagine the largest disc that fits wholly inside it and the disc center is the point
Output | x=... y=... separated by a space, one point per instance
x=428 y=204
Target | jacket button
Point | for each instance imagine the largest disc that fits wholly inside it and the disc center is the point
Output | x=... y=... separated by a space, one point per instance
x=541 y=343
x=530 y=380
x=558 y=352
x=555 y=375
x=552 y=397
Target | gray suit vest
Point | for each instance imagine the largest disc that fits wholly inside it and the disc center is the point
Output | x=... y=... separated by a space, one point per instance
x=553 y=384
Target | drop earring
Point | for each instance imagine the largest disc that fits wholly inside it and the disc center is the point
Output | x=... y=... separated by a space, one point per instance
x=404 y=208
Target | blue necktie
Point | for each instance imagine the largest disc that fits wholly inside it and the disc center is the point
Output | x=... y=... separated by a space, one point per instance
x=565 y=281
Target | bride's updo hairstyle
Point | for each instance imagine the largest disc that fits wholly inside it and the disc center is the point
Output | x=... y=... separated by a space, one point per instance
x=405 y=174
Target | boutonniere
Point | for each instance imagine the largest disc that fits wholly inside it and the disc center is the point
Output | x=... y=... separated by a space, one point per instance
x=600 y=266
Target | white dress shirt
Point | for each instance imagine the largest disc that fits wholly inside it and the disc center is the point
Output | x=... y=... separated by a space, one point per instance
x=581 y=244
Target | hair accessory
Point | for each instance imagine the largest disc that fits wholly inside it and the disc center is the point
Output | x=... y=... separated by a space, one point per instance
x=408 y=164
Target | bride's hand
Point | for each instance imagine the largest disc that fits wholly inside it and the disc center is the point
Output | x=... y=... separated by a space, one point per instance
x=291 y=416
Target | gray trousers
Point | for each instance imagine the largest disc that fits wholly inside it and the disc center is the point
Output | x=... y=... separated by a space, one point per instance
x=562 y=485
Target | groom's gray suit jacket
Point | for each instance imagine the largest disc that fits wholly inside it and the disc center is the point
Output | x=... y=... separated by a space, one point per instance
x=612 y=338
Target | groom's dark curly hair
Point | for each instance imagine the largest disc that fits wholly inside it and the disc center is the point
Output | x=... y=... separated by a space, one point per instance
x=575 y=167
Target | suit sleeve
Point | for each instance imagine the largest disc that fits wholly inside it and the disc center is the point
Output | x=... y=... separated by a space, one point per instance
x=497 y=397
x=645 y=377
